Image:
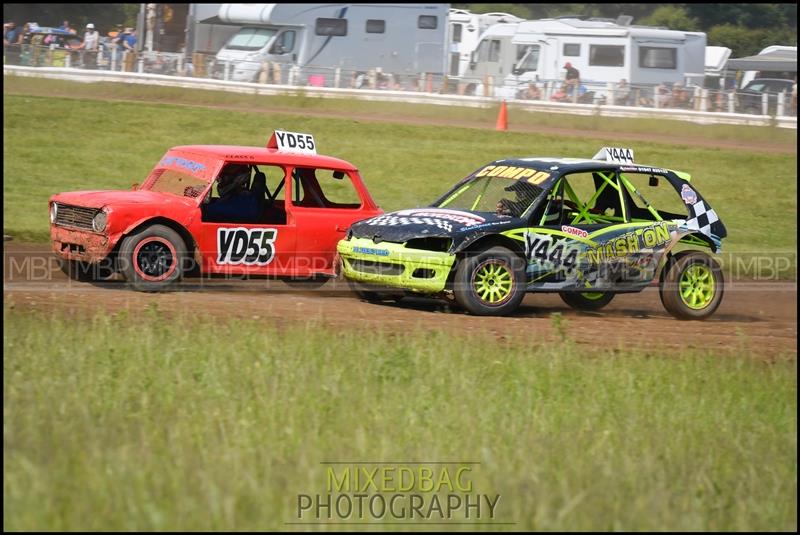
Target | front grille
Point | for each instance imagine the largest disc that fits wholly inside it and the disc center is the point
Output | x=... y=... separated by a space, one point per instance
x=376 y=268
x=75 y=216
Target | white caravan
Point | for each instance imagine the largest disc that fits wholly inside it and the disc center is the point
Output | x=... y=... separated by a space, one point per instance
x=406 y=39
x=465 y=28
x=515 y=55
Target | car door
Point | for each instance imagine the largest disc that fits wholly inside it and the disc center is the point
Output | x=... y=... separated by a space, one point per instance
x=584 y=237
x=264 y=245
x=324 y=203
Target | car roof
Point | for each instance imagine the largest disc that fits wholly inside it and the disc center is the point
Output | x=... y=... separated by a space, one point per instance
x=237 y=153
x=562 y=164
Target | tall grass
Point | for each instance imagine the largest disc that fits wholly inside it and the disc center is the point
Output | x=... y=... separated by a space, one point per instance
x=154 y=423
x=58 y=144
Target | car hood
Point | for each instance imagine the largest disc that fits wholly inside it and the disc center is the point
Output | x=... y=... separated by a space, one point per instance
x=101 y=198
x=403 y=225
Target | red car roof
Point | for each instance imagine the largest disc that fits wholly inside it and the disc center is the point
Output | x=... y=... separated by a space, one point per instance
x=237 y=153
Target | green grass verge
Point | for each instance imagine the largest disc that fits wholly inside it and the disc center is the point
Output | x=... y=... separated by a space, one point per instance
x=302 y=100
x=154 y=423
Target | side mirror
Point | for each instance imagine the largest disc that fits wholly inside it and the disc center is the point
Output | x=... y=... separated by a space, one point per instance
x=338 y=175
x=516 y=72
x=653 y=181
x=134 y=186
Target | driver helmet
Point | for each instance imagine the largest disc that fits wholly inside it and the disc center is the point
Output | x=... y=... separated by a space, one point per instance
x=233 y=178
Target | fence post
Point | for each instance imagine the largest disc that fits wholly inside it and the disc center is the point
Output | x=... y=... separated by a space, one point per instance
x=732 y=102
x=337 y=77
x=764 y=104
x=141 y=65
x=113 y=59
x=698 y=99
x=227 y=73
x=611 y=90
x=68 y=60
x=781 y=97
x=575 y=94
x=180 y=66
x=704 y=100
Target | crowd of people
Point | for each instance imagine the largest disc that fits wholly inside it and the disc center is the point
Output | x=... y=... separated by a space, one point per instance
x=571 y=89
x=85 y=47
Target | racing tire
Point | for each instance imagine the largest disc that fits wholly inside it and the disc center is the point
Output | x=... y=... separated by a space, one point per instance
x=586 y=301
x=691 y=285
x=153 y=258
x=84 y=271
x=491 y=282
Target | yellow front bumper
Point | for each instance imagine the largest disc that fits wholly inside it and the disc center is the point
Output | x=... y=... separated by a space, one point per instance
x=392 y=264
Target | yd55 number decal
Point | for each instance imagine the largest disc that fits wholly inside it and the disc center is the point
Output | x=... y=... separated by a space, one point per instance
x=246 y=246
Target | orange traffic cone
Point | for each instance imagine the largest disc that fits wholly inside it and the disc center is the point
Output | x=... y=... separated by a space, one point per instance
x=502 y=117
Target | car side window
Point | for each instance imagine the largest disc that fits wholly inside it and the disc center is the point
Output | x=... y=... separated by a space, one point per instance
x=585 y=198
x=259 y=198
x=643 y=189
x=323 y=188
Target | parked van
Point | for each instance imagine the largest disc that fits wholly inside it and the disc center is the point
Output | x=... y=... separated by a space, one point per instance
x=514 y=55
x=317 y=38
x=465 y=30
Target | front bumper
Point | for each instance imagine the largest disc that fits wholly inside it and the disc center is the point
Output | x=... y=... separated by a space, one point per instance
x=392 y=264
x=75 y=244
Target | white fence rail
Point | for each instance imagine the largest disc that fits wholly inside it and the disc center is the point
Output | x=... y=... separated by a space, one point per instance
x=389 y=95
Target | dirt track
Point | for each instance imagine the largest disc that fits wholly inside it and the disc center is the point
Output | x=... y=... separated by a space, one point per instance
x=759 y=318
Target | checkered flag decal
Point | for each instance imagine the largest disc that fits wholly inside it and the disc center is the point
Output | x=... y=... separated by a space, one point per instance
x=703 y=218
x=393 y=221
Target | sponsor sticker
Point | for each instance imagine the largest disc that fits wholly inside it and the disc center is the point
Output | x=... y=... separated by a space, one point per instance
x=688 y=194
x=574 y=231
x=247 y=246
x=369 y=250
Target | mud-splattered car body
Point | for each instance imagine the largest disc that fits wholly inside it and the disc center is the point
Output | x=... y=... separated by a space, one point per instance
x=155 y=233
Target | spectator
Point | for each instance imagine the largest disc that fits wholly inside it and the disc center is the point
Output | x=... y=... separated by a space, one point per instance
x=67 y=28
x=680 y=97
x=573 y=78
x=662 y=95
x=533 y=92
x=129 y=41
x=11 y=33
x=622 y=94
x=89 y=46
x=561 y=94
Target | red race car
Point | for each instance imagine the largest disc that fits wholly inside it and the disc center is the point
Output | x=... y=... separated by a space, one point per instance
x=215 y=209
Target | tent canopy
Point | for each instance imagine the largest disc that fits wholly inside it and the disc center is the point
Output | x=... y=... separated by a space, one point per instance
x=778 y=60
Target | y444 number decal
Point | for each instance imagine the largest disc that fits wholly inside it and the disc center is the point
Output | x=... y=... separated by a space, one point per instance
x=246 y=246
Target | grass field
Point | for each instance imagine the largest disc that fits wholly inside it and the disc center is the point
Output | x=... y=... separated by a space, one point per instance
x=139 y=423
x=60 y=144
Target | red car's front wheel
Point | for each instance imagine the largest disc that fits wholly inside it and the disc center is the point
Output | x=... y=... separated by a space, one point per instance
x=152 y=259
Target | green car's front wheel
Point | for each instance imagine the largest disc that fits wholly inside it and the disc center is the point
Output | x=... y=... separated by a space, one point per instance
x=490 y=283
x=692 y=285
x=586 y=300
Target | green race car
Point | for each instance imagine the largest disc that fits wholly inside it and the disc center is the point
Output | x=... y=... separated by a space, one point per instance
x=587 y=229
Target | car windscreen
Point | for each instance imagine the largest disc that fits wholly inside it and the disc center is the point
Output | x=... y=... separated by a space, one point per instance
x=250 y=39
x=492 y=194
x=175 y=182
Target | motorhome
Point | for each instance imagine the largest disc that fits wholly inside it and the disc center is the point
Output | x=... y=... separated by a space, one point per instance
x=401 y=39
x=513 y=55
x=465 y=28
